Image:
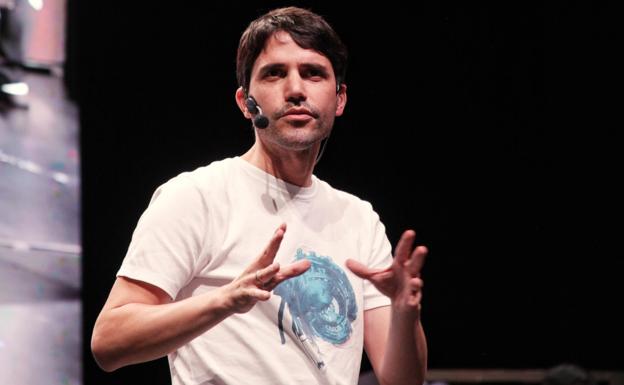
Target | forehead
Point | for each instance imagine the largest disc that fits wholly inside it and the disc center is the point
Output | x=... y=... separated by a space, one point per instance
x=280 y=48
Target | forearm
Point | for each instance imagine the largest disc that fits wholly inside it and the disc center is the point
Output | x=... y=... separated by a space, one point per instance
x=405 y=358
x=137 y=332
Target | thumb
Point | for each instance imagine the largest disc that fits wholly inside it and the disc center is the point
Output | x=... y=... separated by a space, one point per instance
x=359 y=269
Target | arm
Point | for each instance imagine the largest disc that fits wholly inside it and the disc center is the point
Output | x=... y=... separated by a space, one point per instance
x=393 y=335
x=394 y=360
x=139 y=321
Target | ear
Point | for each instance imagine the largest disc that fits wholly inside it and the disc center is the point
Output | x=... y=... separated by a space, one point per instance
x=240 y=101
x=341 y=99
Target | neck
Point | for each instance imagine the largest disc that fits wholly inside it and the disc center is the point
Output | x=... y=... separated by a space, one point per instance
x=294 y=167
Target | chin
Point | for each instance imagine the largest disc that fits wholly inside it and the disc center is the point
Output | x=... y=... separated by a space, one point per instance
x=298 y=142
x=296 y=138
x=297 y=145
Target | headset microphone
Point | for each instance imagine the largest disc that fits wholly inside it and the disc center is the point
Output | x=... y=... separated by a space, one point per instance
x=259 y=120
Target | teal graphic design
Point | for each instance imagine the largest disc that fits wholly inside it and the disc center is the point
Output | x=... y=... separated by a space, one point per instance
x=321 y=301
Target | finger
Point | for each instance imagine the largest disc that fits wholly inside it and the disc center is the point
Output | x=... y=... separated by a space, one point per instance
x=417 y=260
x=262 y=276
x=404 y=247
x=376 y=276
x=268 y=255
x=415 y=299
x=290 y=271
x=416 y=284
x=259 y=294
x=359 y=269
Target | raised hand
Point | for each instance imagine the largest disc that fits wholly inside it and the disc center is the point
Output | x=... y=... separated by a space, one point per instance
x=262 y=276
x=400 y=281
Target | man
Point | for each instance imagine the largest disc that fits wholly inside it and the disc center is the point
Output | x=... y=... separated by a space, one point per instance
x=196 y=284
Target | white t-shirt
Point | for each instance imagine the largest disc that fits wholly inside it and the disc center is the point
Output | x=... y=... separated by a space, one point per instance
x=203 y=228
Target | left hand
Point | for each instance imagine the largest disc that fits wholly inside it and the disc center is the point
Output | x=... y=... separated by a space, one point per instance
x=400 y=281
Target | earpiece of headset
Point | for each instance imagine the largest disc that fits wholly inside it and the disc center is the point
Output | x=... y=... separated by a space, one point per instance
x=259 y=119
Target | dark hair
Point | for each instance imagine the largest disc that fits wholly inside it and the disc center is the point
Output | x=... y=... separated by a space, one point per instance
x=307 y=29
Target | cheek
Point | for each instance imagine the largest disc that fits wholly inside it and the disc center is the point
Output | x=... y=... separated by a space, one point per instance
x=327 y=103
x=325 y=122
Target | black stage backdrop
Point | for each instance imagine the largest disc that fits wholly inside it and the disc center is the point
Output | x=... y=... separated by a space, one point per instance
x=481 y=126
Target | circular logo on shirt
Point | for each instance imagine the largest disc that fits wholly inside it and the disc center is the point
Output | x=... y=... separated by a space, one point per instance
x=321 y=301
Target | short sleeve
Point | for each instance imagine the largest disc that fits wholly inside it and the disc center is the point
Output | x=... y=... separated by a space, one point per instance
x=380 y=257
x=167 y=243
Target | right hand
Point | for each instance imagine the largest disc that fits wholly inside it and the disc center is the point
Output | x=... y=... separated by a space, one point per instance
x=262 y=276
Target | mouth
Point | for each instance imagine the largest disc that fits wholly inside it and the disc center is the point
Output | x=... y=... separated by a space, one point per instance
x=298 y=114
x=298 y=111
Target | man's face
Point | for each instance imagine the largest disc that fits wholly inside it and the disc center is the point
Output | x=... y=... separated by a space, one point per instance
x=296 y=89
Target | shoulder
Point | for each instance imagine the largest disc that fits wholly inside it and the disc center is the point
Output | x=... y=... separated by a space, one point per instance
x=218 y=169
x=201 y=180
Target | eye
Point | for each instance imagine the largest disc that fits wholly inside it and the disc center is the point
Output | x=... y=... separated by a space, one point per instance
x=315 y=74
x=274 y=73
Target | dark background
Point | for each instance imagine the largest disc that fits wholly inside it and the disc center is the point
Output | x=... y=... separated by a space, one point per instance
x=484 y=127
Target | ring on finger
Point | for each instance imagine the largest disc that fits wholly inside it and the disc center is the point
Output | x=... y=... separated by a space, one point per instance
x=258 y=280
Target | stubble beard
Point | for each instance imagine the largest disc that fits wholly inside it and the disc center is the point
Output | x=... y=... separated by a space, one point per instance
x=291 y=137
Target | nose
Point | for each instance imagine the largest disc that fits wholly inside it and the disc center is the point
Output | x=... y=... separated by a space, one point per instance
x=294 y=91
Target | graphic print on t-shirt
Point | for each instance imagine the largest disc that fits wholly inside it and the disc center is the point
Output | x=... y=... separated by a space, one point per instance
x=321 y=302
